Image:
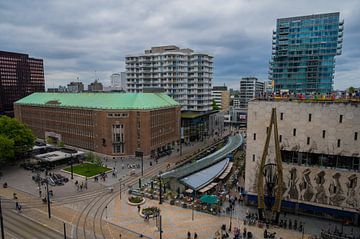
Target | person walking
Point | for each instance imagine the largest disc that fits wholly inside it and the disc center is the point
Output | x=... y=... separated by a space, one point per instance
x=188 y=235
x=195 y=235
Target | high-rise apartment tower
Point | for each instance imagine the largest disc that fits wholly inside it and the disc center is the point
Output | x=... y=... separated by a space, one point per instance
x=303 y=53
x=184 y=75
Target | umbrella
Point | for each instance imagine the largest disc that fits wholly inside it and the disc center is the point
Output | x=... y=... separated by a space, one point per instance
x=209 y=199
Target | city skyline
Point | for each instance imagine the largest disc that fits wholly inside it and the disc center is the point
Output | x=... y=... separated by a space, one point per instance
x=91 y=40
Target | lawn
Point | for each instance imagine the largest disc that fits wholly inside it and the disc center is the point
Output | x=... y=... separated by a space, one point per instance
x=87 y=169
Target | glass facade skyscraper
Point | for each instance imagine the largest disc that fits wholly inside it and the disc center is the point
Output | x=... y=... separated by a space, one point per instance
x=303 y=53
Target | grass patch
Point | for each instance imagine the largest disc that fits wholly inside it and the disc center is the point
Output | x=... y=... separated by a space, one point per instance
x=87 y=169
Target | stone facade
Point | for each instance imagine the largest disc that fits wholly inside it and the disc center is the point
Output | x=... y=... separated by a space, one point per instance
x=320 y=151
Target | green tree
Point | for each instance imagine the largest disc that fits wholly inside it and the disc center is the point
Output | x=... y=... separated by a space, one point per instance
x=6 y=149
x=351 y=90
x=214 y=105
x=17 y=137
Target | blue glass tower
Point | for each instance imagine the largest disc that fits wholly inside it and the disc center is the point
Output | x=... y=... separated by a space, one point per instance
x=303 y=53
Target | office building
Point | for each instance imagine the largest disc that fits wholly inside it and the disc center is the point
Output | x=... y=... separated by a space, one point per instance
x=221 y=96
x=320 y=148
x=75 y=87
x=118 y=81
x=303 y=53
x=114 y=124
x=95 y=86
x=250 y=88
x=20 y=76
x=185 y=75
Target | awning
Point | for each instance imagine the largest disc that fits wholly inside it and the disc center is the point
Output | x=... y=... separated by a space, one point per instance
x=189 y=190
x=206 y=176
x=227 y=171
x=207 y=188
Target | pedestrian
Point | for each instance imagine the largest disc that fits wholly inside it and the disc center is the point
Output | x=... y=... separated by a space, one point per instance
x=81 y=186
x=188 y=235
x=40 y=192
x=195 y=235
x=138 y=207
x=120 y=236
x=122 y=166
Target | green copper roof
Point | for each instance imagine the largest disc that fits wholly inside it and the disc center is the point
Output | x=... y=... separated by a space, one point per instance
x=116 y=101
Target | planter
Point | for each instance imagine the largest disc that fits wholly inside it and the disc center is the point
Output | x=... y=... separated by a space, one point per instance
x=150 y=211
x=136 y=203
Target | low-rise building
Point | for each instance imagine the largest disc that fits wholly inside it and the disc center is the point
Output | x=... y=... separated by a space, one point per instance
x=95 y=86
x=320 y=149
x=75 y=87
x=115 y=124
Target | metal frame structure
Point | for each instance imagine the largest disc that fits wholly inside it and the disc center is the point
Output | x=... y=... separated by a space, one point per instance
x=278 y=161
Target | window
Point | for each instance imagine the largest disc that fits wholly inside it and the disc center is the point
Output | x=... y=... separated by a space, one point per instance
x=338 y=143
x=355 y=136
x=281 y=116
x=341 y=119
x=294 y=132
x=253 y=157
x=323 y=134
x=254 y=136
x=308 y=140
x=280 y=138
x=309 y=117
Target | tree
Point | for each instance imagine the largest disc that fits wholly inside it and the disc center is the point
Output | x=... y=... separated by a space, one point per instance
x=16 y=137
x=6 y=149
x=351 y=90
x=214 y=105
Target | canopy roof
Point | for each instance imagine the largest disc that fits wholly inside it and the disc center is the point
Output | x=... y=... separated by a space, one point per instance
x=116 y=101
x=233 y=143
x=204 y=177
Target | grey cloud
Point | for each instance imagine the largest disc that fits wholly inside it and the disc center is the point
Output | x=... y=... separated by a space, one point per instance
x=75 y=38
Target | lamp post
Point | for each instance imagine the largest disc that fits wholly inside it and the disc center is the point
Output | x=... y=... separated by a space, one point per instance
x=192 y=213
x=160 y=189
x=48 y=197
x=64 y=230
x=2 y=222
x=71 y=166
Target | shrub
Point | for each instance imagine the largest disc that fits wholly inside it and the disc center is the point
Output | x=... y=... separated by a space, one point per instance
x=135 y=199
x=151 y=211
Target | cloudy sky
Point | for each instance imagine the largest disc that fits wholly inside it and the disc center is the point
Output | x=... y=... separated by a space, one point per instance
x=88 y=39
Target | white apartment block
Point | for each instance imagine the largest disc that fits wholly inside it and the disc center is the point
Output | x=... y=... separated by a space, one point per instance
x=118 y=81
x=250 y=88
x=184 y=75
x=320 y=148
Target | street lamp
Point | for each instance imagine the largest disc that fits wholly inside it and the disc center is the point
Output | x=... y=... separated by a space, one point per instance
x=71 y=166
x=160 y=188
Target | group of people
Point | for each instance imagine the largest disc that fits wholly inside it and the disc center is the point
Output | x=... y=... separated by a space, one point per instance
x=189 y=235
x=80 y=186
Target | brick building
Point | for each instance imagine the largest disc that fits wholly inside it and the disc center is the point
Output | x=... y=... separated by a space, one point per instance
x=19 y=76
x=109 y=123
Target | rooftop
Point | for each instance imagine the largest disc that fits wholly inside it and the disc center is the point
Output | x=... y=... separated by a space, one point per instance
x=233 y=143
x=116 y=101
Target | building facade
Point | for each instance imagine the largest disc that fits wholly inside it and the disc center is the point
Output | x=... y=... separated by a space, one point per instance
x=320 y=148
x=303 y=53
x=95 y=86
x=20 y=76
x=250 y=88
x=75 y=87
x=118 y=81
x=221 y=96
x=114 y=124
x=185 y=75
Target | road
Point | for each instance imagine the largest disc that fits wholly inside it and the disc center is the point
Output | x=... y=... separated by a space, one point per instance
x=18 y=226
